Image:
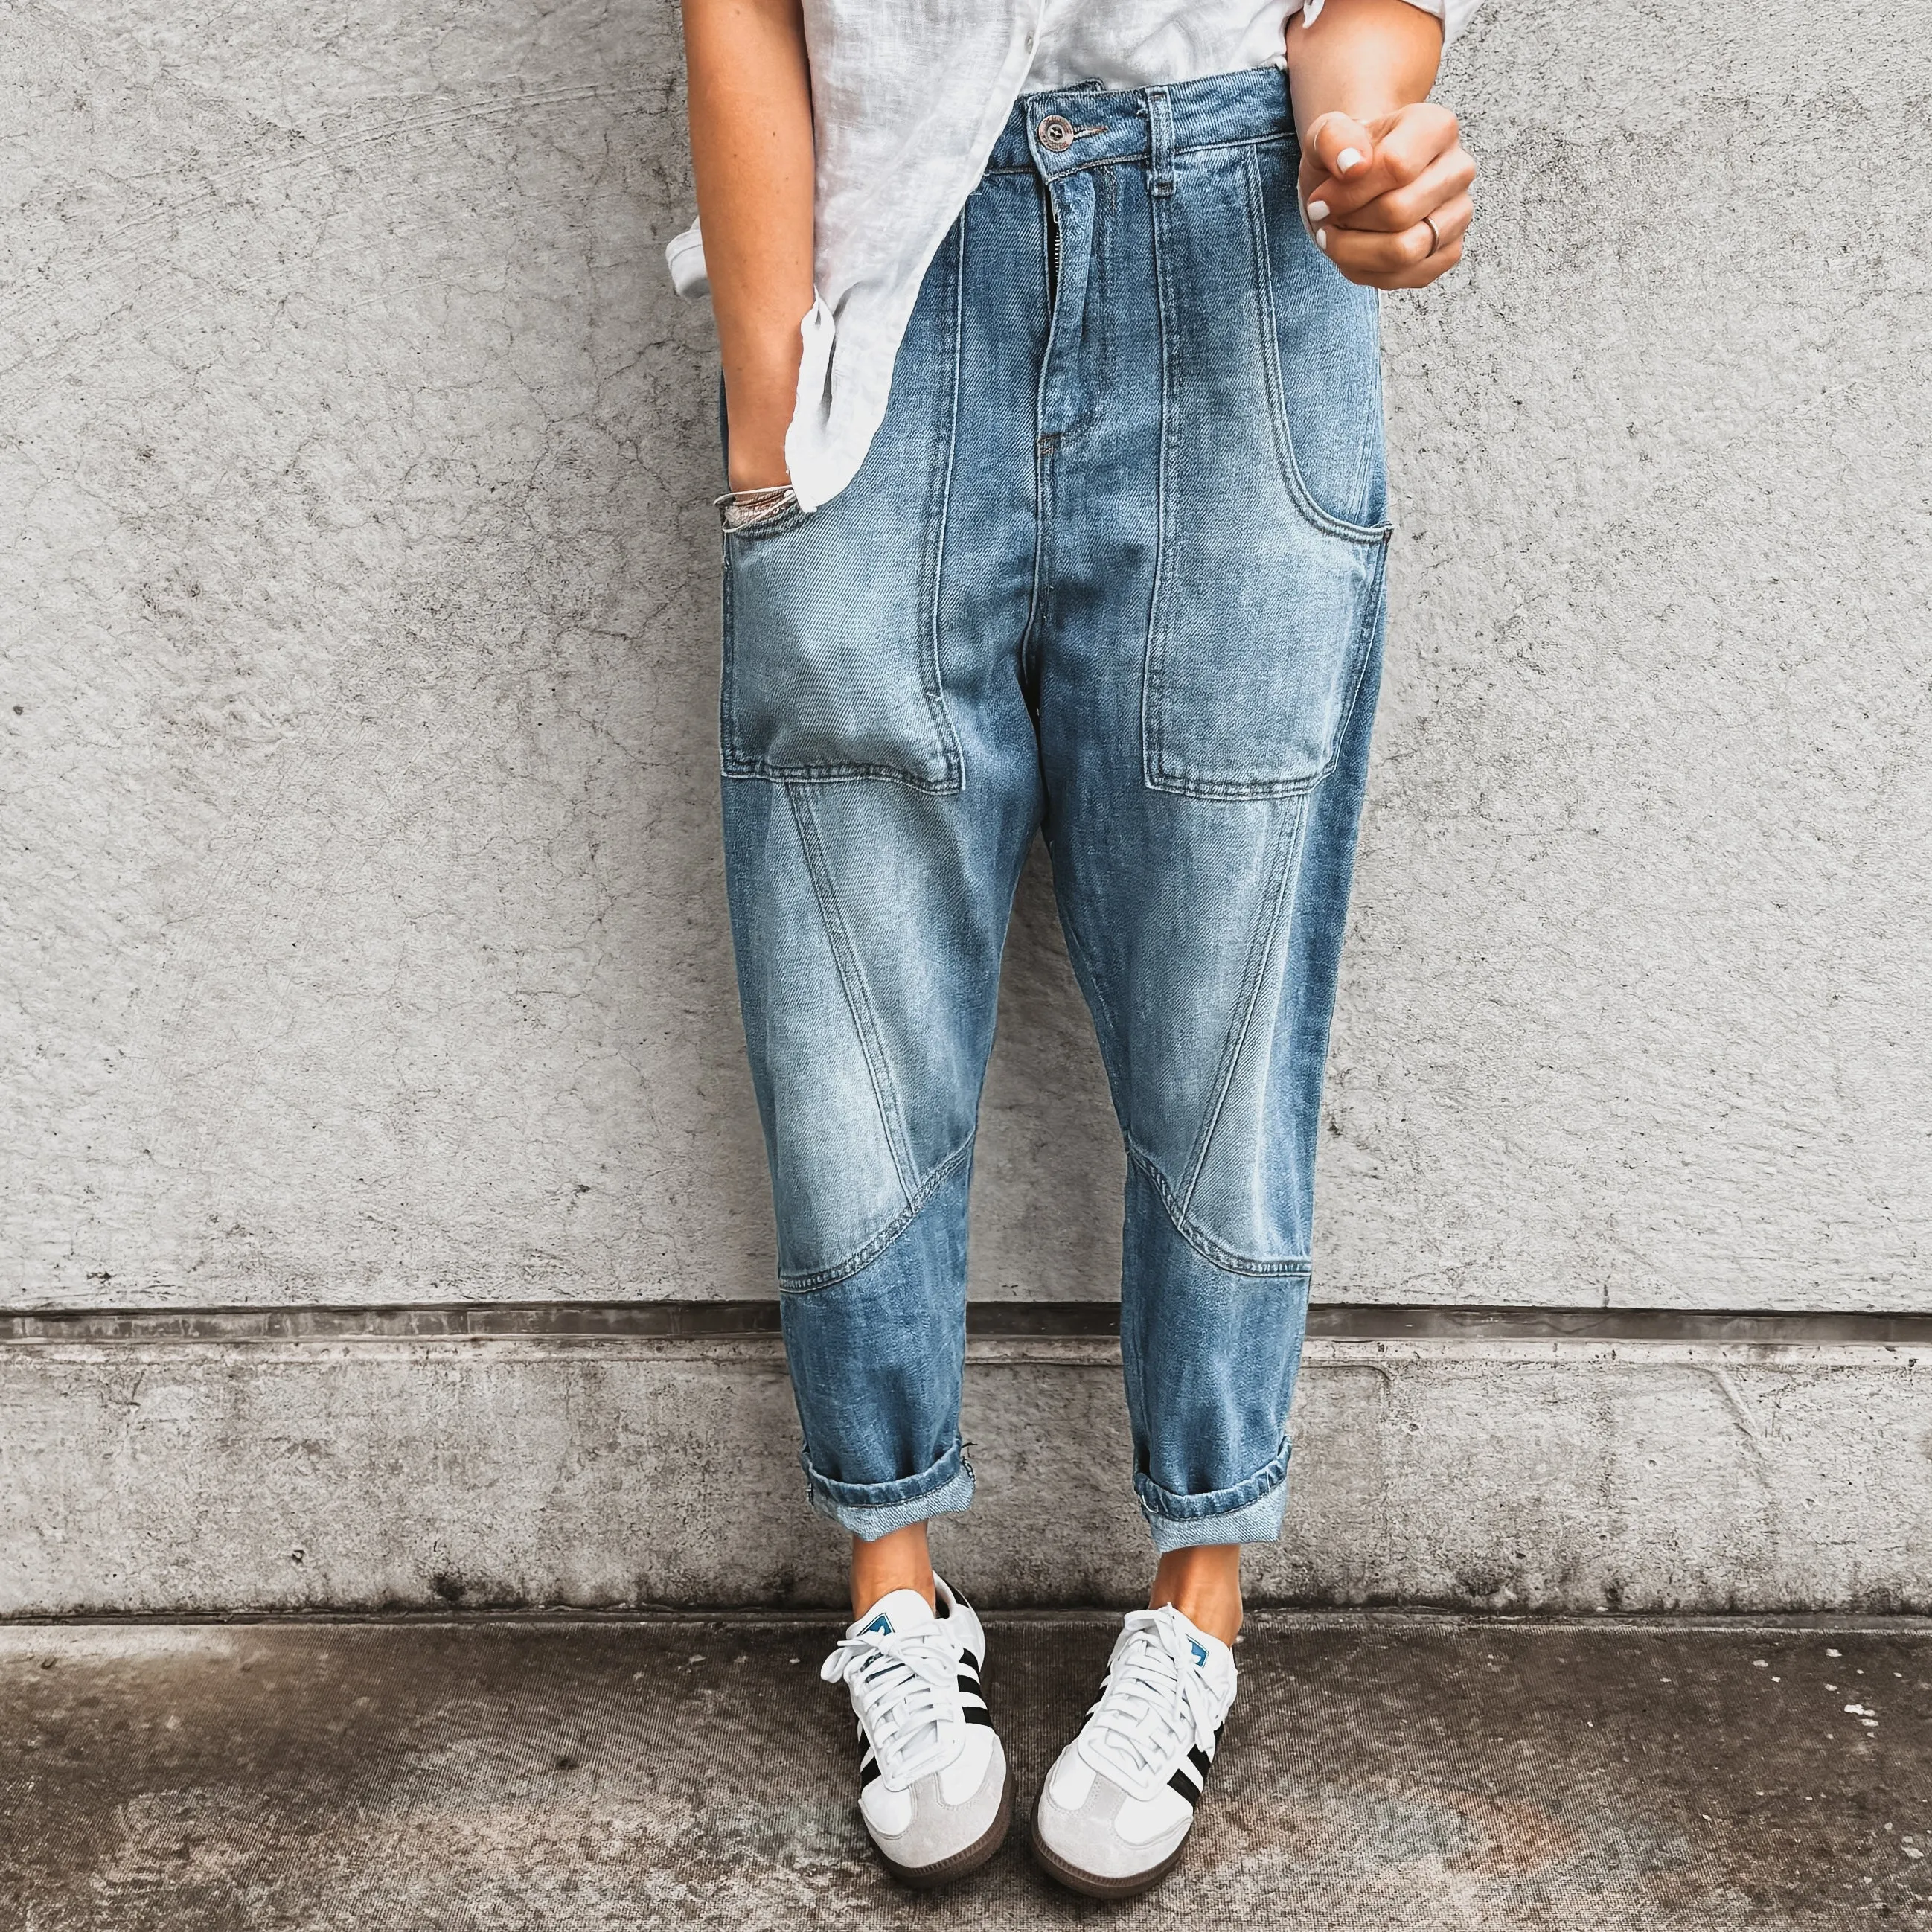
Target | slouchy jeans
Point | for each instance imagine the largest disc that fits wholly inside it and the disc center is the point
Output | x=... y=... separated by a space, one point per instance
x=1112 y=570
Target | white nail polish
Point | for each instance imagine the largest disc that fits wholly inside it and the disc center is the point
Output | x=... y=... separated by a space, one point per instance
x=1349 y=158
x=1322 y=239
x=1318 y=210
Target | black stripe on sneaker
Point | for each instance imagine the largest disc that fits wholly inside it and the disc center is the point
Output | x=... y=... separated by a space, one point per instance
x=969 y=1684
x=978 y=1714
x=967 y=1657
x=869 y=1769
x=1185 y=1785
x=1201 y=1761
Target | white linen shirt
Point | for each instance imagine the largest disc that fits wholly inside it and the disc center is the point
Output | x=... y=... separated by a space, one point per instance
x=908 y=97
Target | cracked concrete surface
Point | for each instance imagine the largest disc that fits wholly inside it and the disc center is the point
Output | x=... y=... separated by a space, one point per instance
x=363 y=936
x=1407 y=1774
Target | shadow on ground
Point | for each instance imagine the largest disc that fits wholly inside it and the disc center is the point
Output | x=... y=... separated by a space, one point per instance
x=1383 y=1772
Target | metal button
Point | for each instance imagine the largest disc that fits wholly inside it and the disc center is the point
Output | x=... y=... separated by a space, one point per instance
x=1056 y=133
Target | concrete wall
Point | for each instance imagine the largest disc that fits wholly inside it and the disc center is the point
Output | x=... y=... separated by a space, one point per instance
x=363 y=934
x=362 y=937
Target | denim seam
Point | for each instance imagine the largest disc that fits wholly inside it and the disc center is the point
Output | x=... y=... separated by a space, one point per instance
x=1366 y=446
x=852 y=979
x=1236 y=790
x=1371 y=613
x=761 y=770
x=1210 y=1250
x=830 y=1277
x=1040 y=603
x=938 y=510
x=1152 y=745
x=1324 y=521
x=1090 y=984
x=1290 y=838
x=1039 y=599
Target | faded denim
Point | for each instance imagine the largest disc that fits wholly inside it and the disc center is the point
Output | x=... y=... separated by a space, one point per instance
x=1113 y=570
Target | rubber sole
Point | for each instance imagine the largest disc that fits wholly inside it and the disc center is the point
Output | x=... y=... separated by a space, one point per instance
x=924 y=1878
x=1090 y=1884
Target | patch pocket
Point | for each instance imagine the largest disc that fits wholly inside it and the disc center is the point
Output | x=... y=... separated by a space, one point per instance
x=1261 y=631
x=831 y=617
x=1267 y=603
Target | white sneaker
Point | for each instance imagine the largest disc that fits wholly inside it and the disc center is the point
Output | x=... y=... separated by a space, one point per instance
x=1119 y=1802
x=933 y=1786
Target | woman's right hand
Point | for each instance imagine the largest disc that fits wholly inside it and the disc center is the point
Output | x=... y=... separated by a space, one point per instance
x=1385 y=178
x=1387 y=198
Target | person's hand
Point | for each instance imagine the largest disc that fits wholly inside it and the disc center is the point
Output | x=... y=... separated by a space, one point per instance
x=1387 y=200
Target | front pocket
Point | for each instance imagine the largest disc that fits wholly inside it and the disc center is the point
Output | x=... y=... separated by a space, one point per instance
x=831 y=618
x=1268 y=600
x=1262 y=626
x=831 y=663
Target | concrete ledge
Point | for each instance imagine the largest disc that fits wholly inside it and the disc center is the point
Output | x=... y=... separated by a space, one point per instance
x=168 y=1462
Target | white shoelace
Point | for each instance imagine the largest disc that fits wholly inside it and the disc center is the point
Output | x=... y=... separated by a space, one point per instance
x=905 y=1687
x=1153 y=1706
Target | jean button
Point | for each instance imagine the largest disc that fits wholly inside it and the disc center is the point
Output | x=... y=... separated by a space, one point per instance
x=1056 y=133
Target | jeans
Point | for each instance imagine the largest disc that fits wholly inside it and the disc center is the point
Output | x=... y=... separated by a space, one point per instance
x=1112 y=570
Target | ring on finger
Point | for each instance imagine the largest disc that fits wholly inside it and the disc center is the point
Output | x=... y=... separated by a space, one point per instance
x=1434 y=233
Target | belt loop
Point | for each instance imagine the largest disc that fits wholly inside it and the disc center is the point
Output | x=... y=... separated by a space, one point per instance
x=1160 y=130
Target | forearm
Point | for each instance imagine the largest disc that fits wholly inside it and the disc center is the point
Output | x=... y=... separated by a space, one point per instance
x=751 y=153
x=1361 y=57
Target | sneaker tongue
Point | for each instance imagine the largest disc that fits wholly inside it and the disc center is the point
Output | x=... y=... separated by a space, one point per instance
x=1212 y=1658
x=897 y=1611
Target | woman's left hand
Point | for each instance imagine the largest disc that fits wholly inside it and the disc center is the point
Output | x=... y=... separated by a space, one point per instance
x=1387 y=199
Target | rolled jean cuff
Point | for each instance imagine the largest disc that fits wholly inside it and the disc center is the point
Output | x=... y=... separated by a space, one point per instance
x=1250 y=1512
x=871 y=1510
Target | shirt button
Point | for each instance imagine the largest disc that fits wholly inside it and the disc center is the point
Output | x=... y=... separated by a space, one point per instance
x=1056 y=133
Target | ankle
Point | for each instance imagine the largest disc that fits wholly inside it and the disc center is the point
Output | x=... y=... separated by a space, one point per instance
x=1204 y=1585
x=898 y=1560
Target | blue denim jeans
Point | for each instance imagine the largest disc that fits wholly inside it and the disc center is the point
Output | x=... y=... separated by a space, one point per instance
x=1112 y=570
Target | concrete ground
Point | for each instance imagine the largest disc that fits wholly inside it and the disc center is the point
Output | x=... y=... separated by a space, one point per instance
x=1391 y=1771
